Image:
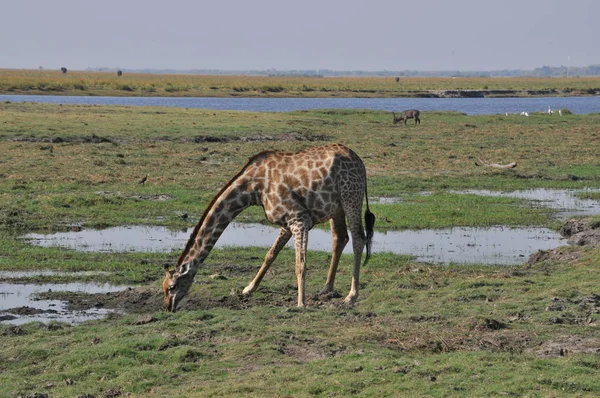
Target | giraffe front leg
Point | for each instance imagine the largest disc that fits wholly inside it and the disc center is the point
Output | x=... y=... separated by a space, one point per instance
x=280 y=242
x=300 y=232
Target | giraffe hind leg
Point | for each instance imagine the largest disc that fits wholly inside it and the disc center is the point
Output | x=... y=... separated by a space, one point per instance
x=358 y=245
x=352 y=204
x=280 y=242
x=339 y=233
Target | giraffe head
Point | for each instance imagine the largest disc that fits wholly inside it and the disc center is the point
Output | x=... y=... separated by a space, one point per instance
x=176 y=285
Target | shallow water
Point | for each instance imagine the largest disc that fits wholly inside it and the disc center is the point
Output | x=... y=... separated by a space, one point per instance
x=464 y=245
x=470 y=106
x=495 y=245
x=564 y=201
x=18 y=295
x=460 y=245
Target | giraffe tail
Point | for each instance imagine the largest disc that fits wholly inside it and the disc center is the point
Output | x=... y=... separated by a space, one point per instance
x=369 y=225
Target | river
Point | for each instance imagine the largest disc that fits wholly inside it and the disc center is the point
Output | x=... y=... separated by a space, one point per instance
x=470 y=106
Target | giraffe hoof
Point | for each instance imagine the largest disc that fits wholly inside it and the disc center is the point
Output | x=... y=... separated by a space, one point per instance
x=247 y=291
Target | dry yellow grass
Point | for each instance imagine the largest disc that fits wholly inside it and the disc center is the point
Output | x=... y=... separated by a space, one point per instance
x=141 y=84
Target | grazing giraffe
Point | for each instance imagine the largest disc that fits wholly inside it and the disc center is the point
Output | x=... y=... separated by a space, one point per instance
x=297 y=191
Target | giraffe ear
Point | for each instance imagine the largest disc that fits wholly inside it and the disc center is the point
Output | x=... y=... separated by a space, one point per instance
x=168 y=273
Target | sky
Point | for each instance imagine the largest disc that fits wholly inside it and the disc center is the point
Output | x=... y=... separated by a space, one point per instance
x=343 y=35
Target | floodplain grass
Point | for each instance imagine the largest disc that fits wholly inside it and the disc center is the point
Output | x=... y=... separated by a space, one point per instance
x=416 y=330
x=46 y=82
x=65 y=165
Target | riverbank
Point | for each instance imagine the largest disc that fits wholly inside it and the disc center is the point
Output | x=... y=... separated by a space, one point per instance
x=76 y=83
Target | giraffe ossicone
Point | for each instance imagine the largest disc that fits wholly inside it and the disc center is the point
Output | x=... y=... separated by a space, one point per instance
x=297 y=191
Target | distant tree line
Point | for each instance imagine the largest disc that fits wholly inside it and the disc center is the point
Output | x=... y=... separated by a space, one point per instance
x=544 y=71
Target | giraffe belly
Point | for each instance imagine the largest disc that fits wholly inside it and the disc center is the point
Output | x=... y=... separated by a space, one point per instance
x=284 y=215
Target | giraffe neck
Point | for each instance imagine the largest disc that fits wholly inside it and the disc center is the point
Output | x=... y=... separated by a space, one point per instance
x=222 y=210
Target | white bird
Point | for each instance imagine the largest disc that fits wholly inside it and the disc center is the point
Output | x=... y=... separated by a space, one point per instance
x=526 y=114
x=506 y=114
x=560 y=112
x=550 y=111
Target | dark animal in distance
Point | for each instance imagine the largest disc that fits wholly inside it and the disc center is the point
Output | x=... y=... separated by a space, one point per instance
x=409 y=114
x=119 y=72
x=143 y=180
x=63 y=69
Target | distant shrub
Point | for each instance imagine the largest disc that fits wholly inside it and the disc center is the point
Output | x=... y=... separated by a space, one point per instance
x=172 y=89
x=125 y=87
x=149 y=89
x=272 y=89
x=50 y=87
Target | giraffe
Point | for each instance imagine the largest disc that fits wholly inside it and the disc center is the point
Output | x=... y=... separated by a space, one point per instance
x=297 y=191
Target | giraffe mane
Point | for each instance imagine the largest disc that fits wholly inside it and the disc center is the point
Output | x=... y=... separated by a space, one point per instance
x=194 y=234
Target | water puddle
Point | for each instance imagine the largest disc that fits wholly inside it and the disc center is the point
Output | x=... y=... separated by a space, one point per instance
x=463 y=245
x=564 y=201
x=19 y=302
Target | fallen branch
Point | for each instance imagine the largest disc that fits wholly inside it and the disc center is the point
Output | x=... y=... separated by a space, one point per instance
x=496 y=165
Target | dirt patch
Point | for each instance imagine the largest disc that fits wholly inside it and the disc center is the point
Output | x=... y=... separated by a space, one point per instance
x=581 y=231
x=579 y=311
x=144 y=300
x=132 y=300
x=77 y=139
x=292 y=136
x=585 y=238
x=563 y=255
x=566 y=345
x=574 y=226
x=156 y=197
x=466 y=337
x=26 y=311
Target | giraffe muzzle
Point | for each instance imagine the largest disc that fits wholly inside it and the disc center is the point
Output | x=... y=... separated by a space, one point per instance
x=172 y=305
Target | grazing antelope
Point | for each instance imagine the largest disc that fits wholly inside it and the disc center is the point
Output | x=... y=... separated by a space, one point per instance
x=409 y=114
x=296 y=191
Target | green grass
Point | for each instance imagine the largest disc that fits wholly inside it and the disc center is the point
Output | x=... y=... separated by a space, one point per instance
x=416 y=329
x=67 y=165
